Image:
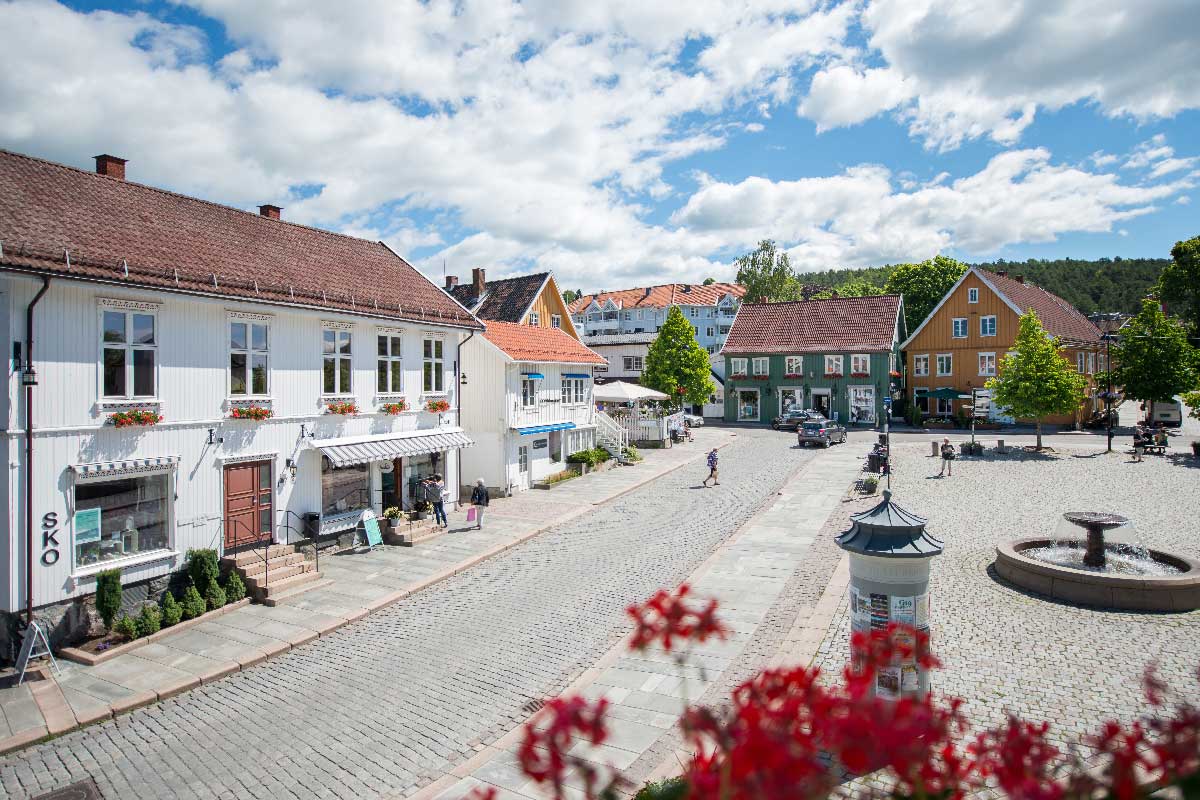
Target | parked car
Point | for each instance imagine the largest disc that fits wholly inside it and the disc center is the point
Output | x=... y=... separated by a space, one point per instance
x=823 y=433
x=692 y=420
x=791 y=420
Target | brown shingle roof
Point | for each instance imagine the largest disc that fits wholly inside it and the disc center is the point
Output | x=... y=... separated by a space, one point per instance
x=839 y=324
x=504 y=300
x=662 y=296
x=532 y=343
x=127 y=233
x=1058 y=317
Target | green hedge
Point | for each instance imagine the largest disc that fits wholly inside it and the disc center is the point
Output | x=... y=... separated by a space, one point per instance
x=108 y=595
x=593 y=457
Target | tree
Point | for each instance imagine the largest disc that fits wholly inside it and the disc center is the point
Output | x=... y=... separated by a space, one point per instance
x=571 y=295
x=767 y=275
x=1179 y=285
x=676 y=362
x=851 y=288
x=1153 y=360
x=1034 y=380
x=709 y=281
x=923 y=286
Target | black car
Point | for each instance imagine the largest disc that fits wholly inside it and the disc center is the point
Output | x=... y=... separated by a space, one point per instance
x=821 y=432
x=791 y=420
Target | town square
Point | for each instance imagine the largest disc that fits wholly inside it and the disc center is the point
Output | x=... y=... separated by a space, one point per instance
x=524 y=401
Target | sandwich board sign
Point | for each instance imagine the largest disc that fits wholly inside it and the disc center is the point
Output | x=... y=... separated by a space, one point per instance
x=371 y=528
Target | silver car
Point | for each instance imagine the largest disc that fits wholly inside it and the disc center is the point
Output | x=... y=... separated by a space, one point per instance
x=822 y=432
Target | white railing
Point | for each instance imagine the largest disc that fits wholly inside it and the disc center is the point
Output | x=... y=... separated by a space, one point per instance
x=610 y=434
x=644 y=426
x=547 y=413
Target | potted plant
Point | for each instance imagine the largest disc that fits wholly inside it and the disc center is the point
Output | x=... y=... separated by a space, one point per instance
x=393 y=409
x=420 y=509
x=256 y=413
x=394 y=517
x=437 y=406
x=135 y=416
x=347 y=408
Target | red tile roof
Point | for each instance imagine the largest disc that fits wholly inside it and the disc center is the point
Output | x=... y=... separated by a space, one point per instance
x=668 y=294
x=839 y=324
x=66 y=221
x=532 y=343
x=1058 y=317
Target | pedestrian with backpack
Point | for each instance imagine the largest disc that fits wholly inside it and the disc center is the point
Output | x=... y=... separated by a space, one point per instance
x=712 y=469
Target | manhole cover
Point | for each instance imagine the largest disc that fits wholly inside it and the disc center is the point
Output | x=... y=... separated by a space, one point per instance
x=84 y=790
x=532 y=706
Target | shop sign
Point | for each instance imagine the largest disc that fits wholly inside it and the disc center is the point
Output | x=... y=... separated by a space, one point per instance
x=50 y=554
x=540 y=444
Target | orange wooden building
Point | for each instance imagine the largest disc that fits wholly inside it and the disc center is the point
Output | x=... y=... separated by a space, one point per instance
x=960 y=344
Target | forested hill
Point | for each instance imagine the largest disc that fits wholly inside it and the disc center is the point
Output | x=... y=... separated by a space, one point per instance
x=1106 y=284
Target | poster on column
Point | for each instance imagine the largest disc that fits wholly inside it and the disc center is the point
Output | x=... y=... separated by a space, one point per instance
x=921 y=611
x=879 y=612
x=903 y=610
x=860 y=611
x=887 y=683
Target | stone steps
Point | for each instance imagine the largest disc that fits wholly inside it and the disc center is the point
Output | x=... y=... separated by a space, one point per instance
x=283 y=571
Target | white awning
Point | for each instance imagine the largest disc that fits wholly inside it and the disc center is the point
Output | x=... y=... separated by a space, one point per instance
x=104 y=469
x=386 y=447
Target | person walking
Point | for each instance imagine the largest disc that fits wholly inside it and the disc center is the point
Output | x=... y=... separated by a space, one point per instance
x=712 y=468
x=947 y=458
x=479 y=501
x=1139 y=443
x=437 y=497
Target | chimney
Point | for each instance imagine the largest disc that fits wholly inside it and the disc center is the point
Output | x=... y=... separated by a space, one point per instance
x=479 y=280
x=451 y=282
x=111 y=166
x=648 y=290
x=1019 y=278
x=269 y=211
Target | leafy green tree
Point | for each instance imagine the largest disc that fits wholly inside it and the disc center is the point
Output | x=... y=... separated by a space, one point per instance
x=1153 y=360
x=923 y=286
x=851 y=288
x=1192 y=401
x=767 y=275
x=1179 y=285
x=709 y=281
x=676 y=364
x=571 y=295
x=1034 y=380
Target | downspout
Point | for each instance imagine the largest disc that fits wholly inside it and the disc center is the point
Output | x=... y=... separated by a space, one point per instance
x=28 y=370
x=458 y=393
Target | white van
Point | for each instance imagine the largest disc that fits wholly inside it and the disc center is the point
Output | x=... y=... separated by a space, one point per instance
x=1168 y=412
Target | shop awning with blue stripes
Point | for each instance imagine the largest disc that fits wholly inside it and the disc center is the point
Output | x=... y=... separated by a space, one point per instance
x=576 y=375
x=557 y=426
x=535 y=375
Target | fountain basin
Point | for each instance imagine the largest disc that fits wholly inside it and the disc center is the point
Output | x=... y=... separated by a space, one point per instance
x=1177 y=592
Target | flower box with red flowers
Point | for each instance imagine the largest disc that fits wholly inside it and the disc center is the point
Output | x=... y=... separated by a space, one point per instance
x=437 y=406
x=128 y=419
x=894 y=374
x=833 y=375
x=792 y=375
x=394 y=408
x=344 y=409
x=860 y=374
x=762 y=377
x=256 y=413
x=738 y=377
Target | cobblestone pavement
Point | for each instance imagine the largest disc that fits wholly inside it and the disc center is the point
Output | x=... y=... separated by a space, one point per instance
x=384 y=704
x=1004 y=649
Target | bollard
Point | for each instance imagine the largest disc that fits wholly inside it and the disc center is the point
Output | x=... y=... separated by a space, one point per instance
x=935 y=449
x=890 y=553
x=1000 y=446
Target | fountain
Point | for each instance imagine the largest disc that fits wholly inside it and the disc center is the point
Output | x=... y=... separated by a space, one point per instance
x=1097 y=571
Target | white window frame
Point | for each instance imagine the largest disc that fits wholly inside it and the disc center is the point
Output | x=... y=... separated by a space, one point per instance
x=737 y=399
x=78 y=570
x=555 y=321
x=983 y=325
x=574 y=391
x=633 y=363
x=761 y=366
x=860 y=362
x=438 y=373
x=739 y=366
x=337 y=355
x=1091 y=363
x=129 y=347
x=850 y=403
x=529 y=392
x=535 y=319
x=793 y=365
x=389 y=359
x=710 y=332
x=972 y=295
x=249 y=352
x=948 y=409
x=641 y=314
x=949 y=361
x=834 y=365
x=921 y=365
x=1080 y=362
x=983 y=371
x=954 y=327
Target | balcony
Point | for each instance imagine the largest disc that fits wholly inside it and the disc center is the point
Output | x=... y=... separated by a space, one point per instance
x=550 y=412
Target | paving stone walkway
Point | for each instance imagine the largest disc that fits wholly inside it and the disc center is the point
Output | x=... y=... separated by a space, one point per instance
x=391 y=702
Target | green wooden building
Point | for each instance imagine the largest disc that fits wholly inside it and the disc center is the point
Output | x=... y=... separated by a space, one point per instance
x=840 y=356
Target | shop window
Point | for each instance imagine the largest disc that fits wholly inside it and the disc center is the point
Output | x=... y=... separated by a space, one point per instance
x=249 y=358
x=130 y=353
x=389 y=365
x=336 y=346
x=344 y=488
x=433 y=368
x=121 y=517
x=747 y=405
x=862 y=404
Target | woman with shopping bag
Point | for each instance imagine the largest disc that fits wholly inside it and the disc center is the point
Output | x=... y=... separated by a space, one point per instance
x=479 y=501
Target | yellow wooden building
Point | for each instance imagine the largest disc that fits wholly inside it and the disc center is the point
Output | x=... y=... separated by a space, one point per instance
x=960 y=344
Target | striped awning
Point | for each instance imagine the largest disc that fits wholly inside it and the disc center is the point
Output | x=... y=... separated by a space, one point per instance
x=577 y=375
x=385 y=448
x=128 y=466
x=557 y=426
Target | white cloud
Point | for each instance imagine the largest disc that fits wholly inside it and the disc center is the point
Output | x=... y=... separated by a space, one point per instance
x=985 y=67
x=859 y=218
x=1183 y=200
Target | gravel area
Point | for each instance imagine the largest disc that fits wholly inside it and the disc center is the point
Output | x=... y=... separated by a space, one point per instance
x=1006 y=650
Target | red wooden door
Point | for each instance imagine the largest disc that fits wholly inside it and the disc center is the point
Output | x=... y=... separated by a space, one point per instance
x=249 y=510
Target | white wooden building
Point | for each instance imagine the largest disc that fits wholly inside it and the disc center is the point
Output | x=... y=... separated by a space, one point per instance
x=528 y=404
x=146 y=301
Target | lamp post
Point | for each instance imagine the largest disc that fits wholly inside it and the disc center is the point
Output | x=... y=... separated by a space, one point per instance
x=1108 y=392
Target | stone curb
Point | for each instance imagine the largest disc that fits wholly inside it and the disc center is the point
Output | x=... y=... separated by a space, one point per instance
x=50 y=708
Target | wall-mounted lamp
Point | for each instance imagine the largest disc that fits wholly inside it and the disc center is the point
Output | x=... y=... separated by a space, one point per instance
x=462 y=379
x=213 y=438
x=290 y=466
x=28 y=376
x=305 y=433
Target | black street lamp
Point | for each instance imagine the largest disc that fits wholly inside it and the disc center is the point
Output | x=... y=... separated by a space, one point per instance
x=1108 y=394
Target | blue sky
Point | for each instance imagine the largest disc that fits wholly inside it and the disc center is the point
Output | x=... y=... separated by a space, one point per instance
x=628 y=143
